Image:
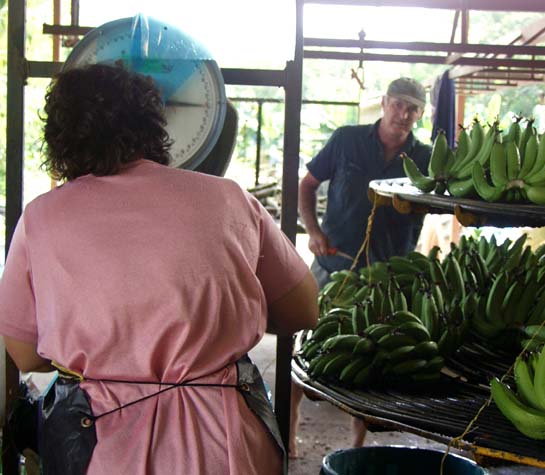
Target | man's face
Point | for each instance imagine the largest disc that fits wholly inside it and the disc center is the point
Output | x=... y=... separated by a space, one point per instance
x=399 y=116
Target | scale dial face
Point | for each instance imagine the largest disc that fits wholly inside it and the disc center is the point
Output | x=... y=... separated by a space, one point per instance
x=195 y=109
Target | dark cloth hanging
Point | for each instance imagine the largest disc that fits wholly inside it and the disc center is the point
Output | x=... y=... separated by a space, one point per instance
x=444 y=116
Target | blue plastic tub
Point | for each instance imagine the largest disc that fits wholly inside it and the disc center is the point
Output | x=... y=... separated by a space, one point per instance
x=396 y=461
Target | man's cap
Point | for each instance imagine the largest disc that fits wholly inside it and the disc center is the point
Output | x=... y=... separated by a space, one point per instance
x=409 y=90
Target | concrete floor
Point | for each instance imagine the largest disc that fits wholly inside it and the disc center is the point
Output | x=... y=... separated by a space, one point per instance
x=325 y=428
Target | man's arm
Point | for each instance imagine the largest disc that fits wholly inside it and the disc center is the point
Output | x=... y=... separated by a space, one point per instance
x=296 y=310
x=318 y=242
x=26 y=357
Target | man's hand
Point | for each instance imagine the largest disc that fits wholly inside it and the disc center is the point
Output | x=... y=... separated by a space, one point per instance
x=318 y=243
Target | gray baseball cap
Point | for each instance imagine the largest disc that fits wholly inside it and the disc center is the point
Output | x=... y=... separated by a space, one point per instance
x=409 y=90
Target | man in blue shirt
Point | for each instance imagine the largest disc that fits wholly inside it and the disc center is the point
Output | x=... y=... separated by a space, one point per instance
x=354 y=156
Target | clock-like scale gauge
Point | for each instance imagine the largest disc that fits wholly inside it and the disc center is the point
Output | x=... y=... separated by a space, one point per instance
x=189 y=79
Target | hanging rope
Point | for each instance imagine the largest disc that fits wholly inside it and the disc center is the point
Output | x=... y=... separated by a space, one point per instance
x=364 y=246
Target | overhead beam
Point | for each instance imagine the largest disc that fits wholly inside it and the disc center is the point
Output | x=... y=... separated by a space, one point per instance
x=427 y=46
x=514 y=76
x=426 y=59
x=485 y=5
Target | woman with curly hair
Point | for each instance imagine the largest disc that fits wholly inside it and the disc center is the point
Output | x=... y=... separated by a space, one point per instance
x=145 y=286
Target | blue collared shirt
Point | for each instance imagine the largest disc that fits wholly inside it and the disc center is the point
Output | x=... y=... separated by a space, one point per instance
x=352 y=158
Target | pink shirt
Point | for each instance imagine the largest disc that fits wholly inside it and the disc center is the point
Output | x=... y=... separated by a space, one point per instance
x=153 y=274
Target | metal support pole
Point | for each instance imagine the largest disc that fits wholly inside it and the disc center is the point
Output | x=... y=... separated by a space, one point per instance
x=258 y=141
x=290 y=184
x=14 y=184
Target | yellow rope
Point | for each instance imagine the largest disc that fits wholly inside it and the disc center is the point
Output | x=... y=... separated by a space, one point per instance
x=364 y=246
x=486 y=403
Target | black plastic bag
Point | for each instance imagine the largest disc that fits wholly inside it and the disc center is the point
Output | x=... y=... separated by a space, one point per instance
x=68 y=434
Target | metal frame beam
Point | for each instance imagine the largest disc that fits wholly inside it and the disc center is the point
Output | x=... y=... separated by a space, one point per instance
x=427 y=59
x=428 y=46
x=485 y=5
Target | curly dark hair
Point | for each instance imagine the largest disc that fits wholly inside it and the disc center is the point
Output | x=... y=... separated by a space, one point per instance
x=100 y=117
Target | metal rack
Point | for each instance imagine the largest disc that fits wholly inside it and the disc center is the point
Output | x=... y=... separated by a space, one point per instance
x=405 y=198
x=439 y=411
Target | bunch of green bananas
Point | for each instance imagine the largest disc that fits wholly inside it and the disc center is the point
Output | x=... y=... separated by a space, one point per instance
x=452 y=169
x=394 y=318
x=399 y=348
x=480 y=289
x=516 y=171
x=525 y=408
x=487 y=164
x=509 y=283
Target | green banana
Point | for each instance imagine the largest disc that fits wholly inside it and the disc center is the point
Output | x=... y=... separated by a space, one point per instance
x=418 y=179
x=535 y=331
x=495 y=298
x=430 y=315
x=454 y=276
x=341 y=342
x=400 y=301
x=462 y=147
x=394 y=340
x=387 y=307
x=364 y=347
x=403 y=265
x=483 y=156
x=513 y=160
x=514 y=132
x=408 y=367
x=336 y=364
x=325 y=331
x=415 y=330
x=511 y=301
x=401 y=352
x=537 y=314
x=403 y=316
x=539 y=377
x=364 y=376
x=525 y=384
x=528 y=158
x=377 y=330
x=535 y=194
x=476 y=142
x=527 y=420
x=426 y=349
x=361 y=294
x=439 y=156
x=537 y=173
x=434 y=364
x=531 y=345
x=358 y=319
x=318 y=363
x=461 y=188
x=526 y=301
x=514 y=253
x=312 y=350
x=351 y=370
x=486 y=192
x=488 y=330
x=529 y=132
x=438 y=297
x=498 y=165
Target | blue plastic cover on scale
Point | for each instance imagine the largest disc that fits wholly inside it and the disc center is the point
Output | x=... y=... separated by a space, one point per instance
x=156 y=49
